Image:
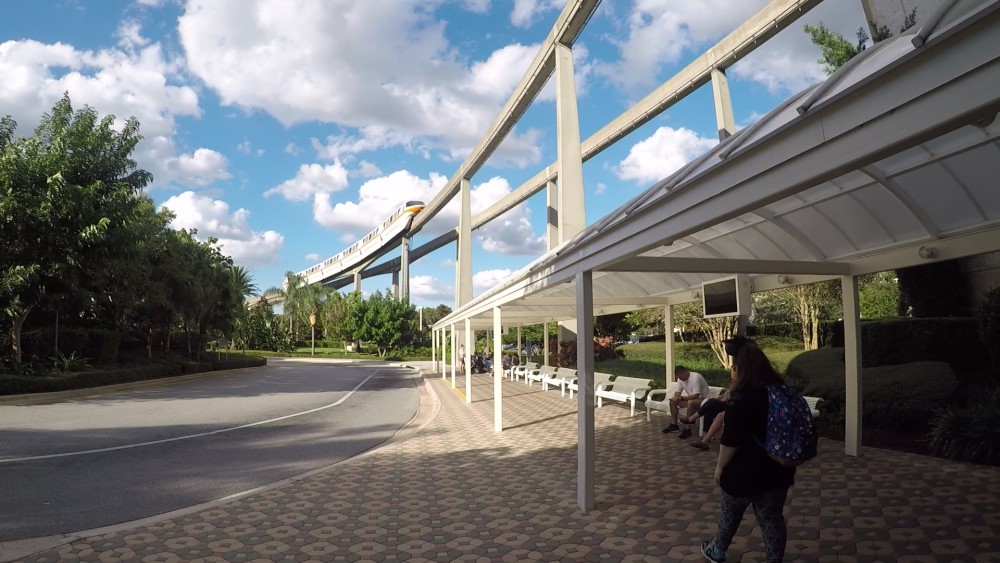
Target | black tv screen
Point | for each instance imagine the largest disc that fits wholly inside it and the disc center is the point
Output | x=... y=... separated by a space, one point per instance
x=720 y=298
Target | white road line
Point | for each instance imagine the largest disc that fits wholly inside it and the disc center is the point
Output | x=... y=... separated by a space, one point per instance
x=188 y=437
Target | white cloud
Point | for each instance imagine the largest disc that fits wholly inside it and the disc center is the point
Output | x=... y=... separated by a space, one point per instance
x=201 y=168
x=661 y=31
x=525 y=11
x=488 y=279
x=134 y=80
x=431 y=289
x=411 y=88
x=312 y=180
x=211 y=217
x=377 y=199
x=313 y=257
x=367 y=170
x=656 y=157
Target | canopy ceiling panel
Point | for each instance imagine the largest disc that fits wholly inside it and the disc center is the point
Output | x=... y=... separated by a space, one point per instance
x=948 y=205
x=895 y=217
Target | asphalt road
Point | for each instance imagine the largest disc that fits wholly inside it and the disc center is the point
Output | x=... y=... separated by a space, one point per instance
x=104 y=460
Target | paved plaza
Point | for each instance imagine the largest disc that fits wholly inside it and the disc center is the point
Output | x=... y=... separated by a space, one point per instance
x=449 y=488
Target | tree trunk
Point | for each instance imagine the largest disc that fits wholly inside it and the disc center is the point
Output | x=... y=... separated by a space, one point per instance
x=15 y=332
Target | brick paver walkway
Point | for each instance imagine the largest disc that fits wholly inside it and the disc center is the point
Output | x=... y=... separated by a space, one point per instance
x=454 y=490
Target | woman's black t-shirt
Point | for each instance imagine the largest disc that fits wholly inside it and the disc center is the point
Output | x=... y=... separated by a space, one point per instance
x=751 y=472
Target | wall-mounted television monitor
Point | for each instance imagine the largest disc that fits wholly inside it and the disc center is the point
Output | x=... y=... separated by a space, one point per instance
x=720 y=298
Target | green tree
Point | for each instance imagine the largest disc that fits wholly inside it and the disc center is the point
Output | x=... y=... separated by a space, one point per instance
x=878 y=295
x=615 y=326
x=716 y=329
x=61 y=192
x=382 y=320
x=836 y=50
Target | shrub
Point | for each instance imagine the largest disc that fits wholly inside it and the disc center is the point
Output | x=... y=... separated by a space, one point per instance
x=895 y=341
x=69 y=363
x=988 y=317
x=970 y=433
x=899 y=396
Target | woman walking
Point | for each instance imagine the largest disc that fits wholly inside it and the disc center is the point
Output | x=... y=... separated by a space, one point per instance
x=746 y=474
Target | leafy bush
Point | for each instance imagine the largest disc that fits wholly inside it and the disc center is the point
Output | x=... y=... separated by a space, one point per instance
x=988 y=317
x=895 y=341
x=69 y=363
x=898 y=396
x=969 y=433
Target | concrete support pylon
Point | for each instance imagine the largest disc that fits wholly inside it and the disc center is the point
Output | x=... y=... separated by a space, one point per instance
x=551 y=215
x=357 y=281
x=571 y=210
x=723 y=104
x=395 y=285
x=404 y=270
x=463 y=252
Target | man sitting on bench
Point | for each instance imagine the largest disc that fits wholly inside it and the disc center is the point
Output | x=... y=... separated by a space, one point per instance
x=691 y=390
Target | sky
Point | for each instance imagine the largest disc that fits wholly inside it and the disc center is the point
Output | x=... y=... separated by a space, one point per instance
x=288 y=129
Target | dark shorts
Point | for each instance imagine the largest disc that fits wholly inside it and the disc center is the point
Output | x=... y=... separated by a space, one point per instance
x=709 y=409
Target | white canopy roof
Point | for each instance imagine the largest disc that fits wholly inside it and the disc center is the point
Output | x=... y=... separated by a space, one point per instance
x=898 y=150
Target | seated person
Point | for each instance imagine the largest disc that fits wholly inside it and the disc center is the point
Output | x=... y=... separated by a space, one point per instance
x=715 y=409
x=691 y=390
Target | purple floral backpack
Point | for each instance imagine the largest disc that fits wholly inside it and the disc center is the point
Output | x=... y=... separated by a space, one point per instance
x=791 y=434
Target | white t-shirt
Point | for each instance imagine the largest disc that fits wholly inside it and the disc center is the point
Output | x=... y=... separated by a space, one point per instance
x=695 y=385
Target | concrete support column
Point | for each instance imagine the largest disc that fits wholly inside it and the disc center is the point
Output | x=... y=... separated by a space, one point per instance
x=454 y=354
x=357 y=282
x=852 y=365
x=463 y=257
x=551 y=215
x=668 y=337
x=571 y=211
x=586 y=444
x=434 y=362
x=571 y=208
x=545 y=344
x=497 y=371
x=395 y=286
x=468 y=360
x=723 y=104
x=404 y=270
x=519 y=347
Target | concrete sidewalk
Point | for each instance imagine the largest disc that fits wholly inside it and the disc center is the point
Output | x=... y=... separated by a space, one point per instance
x=449 y=488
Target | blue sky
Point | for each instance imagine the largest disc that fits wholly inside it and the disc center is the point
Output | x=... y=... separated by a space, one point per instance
x=290 y=128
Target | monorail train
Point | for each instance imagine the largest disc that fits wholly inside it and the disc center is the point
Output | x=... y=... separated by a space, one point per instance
x=369 y=246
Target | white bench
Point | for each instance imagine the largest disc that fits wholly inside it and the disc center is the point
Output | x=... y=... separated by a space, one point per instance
x=659 y=400
x=652 y=403
x=599 y=378
x=538 y=373
x=813 y=404
x=519 y=371
x=624 y=389
x=561 y=378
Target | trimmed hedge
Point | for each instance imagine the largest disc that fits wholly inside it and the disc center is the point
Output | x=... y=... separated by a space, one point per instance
x=954 y=340
x=897 y=396
x=17 y=385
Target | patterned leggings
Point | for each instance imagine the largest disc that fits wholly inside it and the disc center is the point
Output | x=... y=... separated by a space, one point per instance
x=769 y=509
